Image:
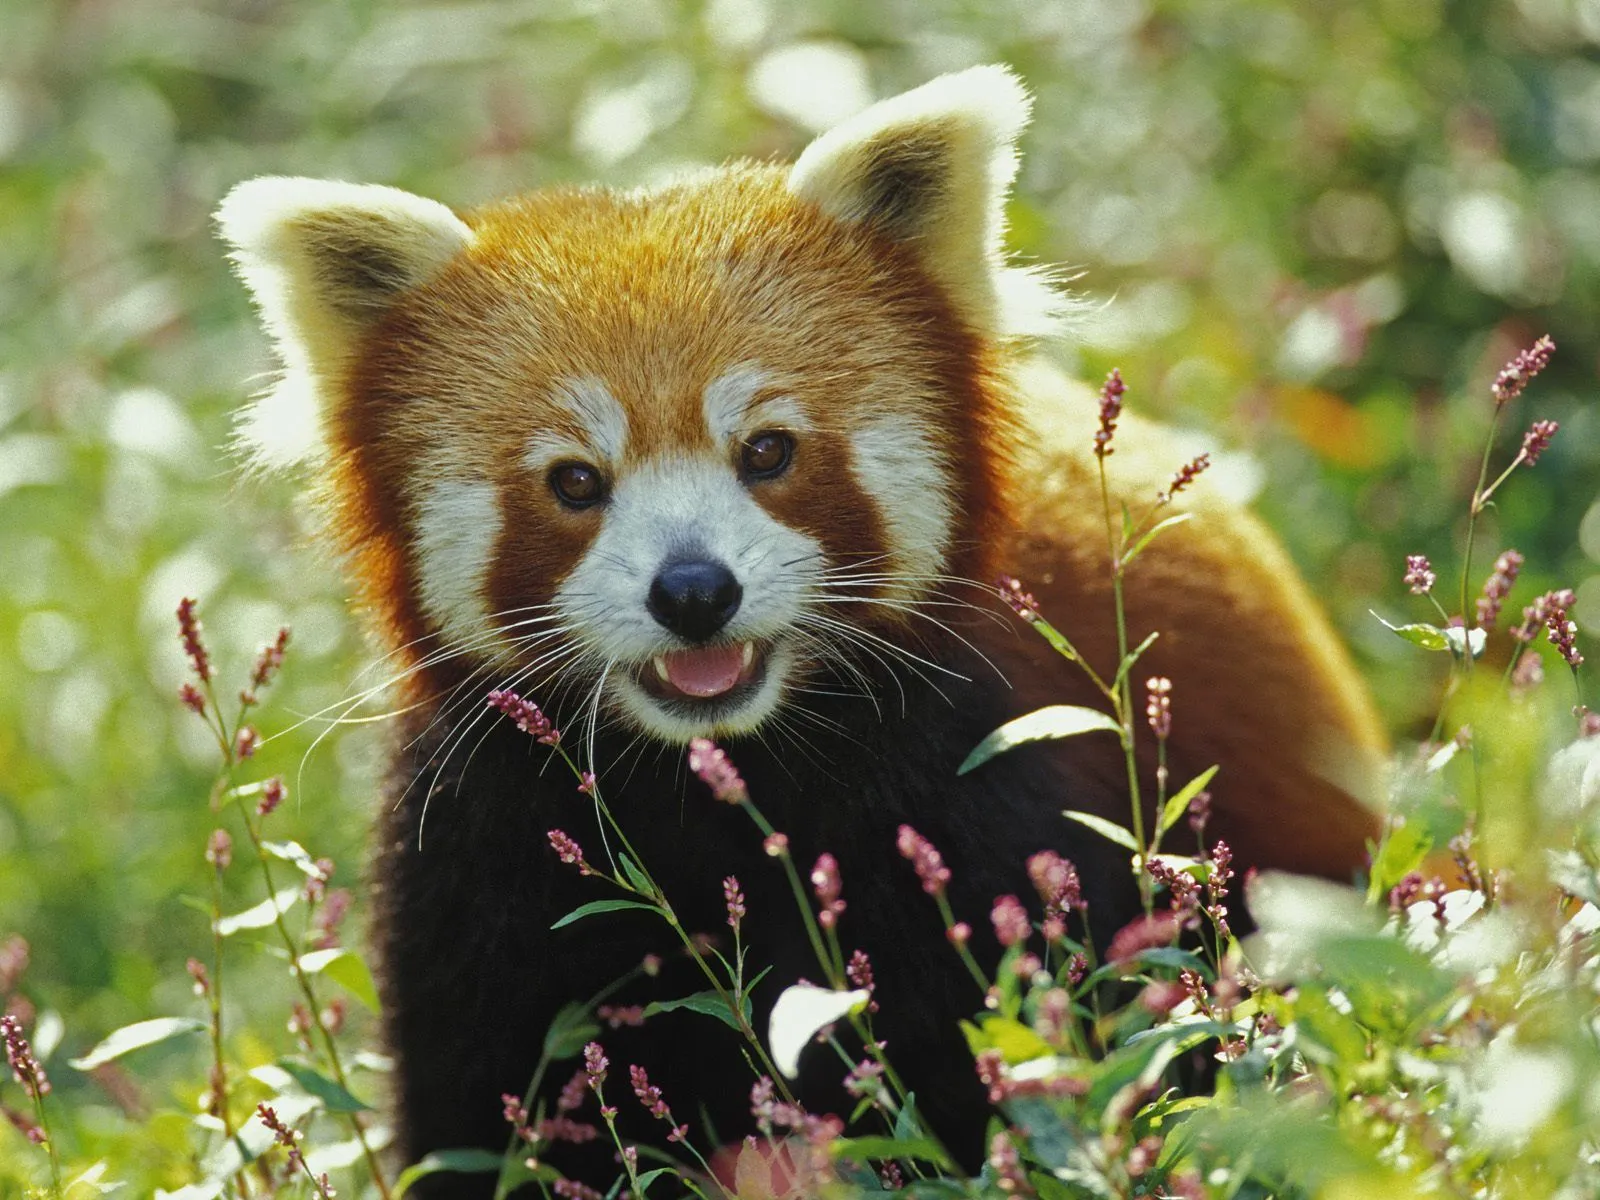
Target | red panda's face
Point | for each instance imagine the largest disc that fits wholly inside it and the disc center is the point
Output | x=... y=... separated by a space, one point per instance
x=667 y=453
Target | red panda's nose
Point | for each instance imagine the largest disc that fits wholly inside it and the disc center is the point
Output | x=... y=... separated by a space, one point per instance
x=694 y=598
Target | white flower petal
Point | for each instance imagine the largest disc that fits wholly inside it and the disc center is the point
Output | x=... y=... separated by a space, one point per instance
x=802 y=1010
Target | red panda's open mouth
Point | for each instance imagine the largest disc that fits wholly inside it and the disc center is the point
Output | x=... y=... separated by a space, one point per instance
x=703 y=673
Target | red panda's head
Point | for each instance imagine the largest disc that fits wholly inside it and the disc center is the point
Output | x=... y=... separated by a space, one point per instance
x=678 y=445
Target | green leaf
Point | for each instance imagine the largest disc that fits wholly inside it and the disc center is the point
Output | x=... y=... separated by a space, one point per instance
x=1105 y=828
x=650 y=1177
x=1133 y=657
x=860 y=1149
x=334 y=1097
x=1052 y=721
x=1058 y=641
x=709 y=1003
x=571 y=1030
x=347 y=969
x=1178 y=804
x=1402 y=851
x=1016 y=1041
x=1149 y=536
x=208 y=1190
x=468 y=1161
x=907 y=1124
x=1431 y=637
x=135 y=1037
x=294 y=852
x=600 y=906
x=258 y=916
x=635 y=876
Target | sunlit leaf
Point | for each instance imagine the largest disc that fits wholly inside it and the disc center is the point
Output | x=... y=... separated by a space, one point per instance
x=1179 y=802
x=261 y=915
x=294 y=852
x=469 y=1161
x=1054 y=721
x=800 y=1012
x=1151 y=533
x=347 y=969
x=1402 y=851
x=1105 y=828
x=860 y=1149
x=136 y=1037
x=334 y=1096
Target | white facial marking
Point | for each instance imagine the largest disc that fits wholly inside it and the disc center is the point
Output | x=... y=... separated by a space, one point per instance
x=694 y=505
x=733 y=412
x=897 y=465
x=601 y=418
x=457 y=526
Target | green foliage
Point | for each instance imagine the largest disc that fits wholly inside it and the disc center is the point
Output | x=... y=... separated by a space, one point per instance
x=1324 y=227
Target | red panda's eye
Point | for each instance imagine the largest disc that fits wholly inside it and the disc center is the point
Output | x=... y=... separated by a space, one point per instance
x=577 y=485
x=766 y=455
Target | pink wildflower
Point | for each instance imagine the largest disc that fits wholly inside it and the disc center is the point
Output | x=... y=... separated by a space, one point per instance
x=825 y=880
x=859 y=972
x=1057 y=882
x=1537 y=614
x=1141 y=934
x=924 y=858
x=268 y=661
x=1009 y=1174
x=1158 y=705
x=527 y=715
x=1497 y=587
x=219 y=849
x=1562 y=632
x=1186 y=475
x=1537 y=440
x=1514 y=376
x=20 y=1055
x=1011 y=923
x=595 y=1064
x=1419 y=576
x=734 y=899
x=1022 y=603
x=1110 y=410
x=569 y=851
x=193 y=640
x=650 y=1096
x=711 y=763
x=272 y=795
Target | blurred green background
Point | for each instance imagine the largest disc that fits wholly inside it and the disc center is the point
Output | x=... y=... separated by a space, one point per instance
x=1317 y=229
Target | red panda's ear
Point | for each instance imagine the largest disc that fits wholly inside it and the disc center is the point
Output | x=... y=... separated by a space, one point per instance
x=324 y=260
x=932 y=168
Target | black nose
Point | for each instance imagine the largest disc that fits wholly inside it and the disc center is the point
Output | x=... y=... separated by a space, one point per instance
x=694 y=597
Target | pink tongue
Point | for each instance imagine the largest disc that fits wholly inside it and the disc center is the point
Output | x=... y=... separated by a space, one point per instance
x=705 y=672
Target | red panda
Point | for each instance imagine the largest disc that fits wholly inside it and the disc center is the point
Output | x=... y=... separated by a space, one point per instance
x=726 y=457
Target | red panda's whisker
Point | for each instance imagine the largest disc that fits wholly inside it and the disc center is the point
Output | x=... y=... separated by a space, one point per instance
x=914 y=610
x=854 y=633
x=831 y=648
x=462 y=729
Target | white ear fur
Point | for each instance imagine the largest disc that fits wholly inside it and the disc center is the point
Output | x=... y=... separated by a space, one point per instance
x=324 y=260
x=932 y=167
